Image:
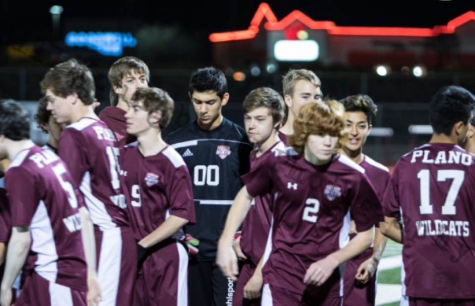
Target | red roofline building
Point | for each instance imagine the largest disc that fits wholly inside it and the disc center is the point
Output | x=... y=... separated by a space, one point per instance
x=450 y=46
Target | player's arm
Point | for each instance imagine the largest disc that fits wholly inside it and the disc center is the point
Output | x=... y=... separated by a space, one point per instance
x=320 y=271
x=89 y=243
x=226 y=257
x=253 y=288
x=17 y=252
x=391 y=228
x=368 y=268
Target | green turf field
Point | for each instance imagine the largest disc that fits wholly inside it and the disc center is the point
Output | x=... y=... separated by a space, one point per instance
x=391 y=276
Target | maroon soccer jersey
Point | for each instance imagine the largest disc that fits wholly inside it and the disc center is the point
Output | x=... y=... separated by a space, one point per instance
x=88 y=149
x=311 y=215
x=4 y=212
x=42 y=196
x=114 y=118
x=378 y=175
x=157 y=186
x=433 y=189
x=255 y=228
x=283 y=138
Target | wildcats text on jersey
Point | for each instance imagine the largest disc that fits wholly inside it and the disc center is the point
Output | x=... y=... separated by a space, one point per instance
x=443 y=228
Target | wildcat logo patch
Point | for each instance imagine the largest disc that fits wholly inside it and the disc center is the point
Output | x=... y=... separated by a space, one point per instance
x=223 y=151
x=151 y=179
x=332 y=192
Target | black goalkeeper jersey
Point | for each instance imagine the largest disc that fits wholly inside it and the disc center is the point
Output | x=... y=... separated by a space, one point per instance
x=216 y=160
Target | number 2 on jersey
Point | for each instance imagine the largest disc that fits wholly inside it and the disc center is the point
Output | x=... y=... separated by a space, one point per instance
x=457 y=177
x=312 y=207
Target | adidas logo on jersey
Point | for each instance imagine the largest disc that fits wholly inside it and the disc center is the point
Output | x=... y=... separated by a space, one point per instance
x=187 y=153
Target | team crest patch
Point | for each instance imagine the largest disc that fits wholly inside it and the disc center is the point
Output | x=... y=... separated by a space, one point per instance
x=223 y=151
x=151 y=179
x=332 y=192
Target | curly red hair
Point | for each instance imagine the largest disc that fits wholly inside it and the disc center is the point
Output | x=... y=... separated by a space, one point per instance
x=320 y=118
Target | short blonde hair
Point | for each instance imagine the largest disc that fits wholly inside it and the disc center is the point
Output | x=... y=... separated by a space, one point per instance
x=294 y=75
x=320 y=118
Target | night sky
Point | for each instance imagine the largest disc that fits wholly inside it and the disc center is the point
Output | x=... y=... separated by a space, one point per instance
x=24 y=20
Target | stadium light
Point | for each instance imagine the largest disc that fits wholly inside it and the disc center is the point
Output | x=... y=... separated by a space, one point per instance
x=55 y=12
x=271 y=68
x=239 y=76
x=255 y=70
x=419 y=71
x=382 y=70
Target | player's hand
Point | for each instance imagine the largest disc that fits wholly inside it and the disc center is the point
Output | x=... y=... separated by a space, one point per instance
x=6 y=297
x=94 y=291
x=227 y=261
x=237 y=249
x=253 y=288
x=320 y=271
x=366 y=270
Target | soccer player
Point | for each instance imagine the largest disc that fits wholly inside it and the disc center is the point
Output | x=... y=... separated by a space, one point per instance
x=431 y=194
x=4 y=221
x=216 y=152
x=48 y=124
x=470 y=144
x=300 y=86
x=125 y=76
x=160 y=200
x=263 y=112
x=315 y=190
x=87 y=147
x=46 y=217
x=360 y=279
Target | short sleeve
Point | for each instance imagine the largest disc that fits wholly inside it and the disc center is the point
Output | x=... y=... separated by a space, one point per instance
x=366 y=208
x=180 y=195
x=23 y=196
x=71 y=151
x=259 y=180
x=5 y=226
x=391 y=205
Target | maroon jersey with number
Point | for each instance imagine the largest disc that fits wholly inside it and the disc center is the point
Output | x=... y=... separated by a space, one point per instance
x=4 y=212
x=255 y=228
x=432 y=192
x=42 y=196
x=311 y=215
x=88 y=149
x=157 y=186
x=114 y=117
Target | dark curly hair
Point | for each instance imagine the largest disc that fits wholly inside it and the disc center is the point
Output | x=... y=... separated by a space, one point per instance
x=208 y=79
x=42 y=114
x=450 y=105
x=14 y=121
x=361 y=103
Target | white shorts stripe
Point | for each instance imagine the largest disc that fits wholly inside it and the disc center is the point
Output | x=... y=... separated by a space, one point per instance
x=182 y=298
x=266 y=296
x=109 y=265
x=60 y=295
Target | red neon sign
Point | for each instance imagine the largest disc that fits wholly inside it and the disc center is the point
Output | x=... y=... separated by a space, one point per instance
x=265 y=12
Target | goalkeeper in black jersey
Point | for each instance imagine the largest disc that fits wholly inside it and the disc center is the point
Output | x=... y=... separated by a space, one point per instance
x=216 y=152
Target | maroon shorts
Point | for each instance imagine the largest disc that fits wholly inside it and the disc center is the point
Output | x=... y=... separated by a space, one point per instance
x=117 y=265
x=436 y=302
x=163 y=278
x=276 y=296
x=38 y=291
x=355 y=293
x=244 y=276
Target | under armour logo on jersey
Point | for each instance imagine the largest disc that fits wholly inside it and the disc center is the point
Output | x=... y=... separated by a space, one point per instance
x=187 y=153
x=332 y=192
x=151 y=179
x=292 y=186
